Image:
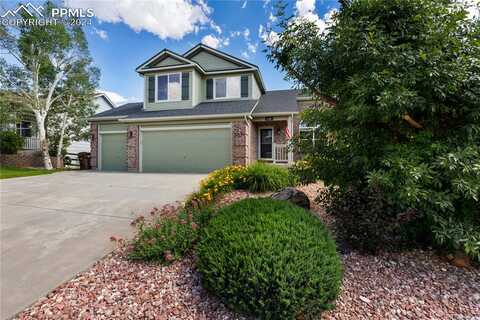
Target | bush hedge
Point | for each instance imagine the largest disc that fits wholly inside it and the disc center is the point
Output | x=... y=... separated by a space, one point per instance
x=269 y=258
x=10 y=142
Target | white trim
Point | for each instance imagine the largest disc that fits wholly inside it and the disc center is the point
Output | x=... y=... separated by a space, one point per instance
x=167 y=68
x=103 y=95
x=259 y=154
x=161 y=53
x=229 y=71
x=112 y=132
x=273 y=114
x=105 y=118
x=290 y=128
x=182 y=127
x=99 y=152
x=168 y=82
x=140 y=150
x=217 y=52
x=208 y=116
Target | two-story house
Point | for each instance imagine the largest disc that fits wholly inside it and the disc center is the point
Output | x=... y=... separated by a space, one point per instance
x=202 y=110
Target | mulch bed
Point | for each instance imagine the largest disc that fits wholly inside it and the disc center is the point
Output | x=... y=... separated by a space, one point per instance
x=409 y=285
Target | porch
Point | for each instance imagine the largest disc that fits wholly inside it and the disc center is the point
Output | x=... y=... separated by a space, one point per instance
x=269 y=140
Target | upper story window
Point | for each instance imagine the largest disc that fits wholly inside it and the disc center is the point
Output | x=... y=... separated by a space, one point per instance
x=169 y=87
x=227 y=87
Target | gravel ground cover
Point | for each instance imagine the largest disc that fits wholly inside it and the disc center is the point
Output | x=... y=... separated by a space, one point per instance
x=409 y=285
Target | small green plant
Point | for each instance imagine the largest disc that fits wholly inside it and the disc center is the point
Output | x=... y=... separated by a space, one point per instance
x=168 y=237
x=270 y=259
x=262 y=177
x=10 y=142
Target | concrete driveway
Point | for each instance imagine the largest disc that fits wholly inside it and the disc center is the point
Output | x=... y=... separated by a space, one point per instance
x=54 y=226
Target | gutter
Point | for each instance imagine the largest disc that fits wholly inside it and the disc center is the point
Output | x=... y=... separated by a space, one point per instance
x=94 y=119
x=210 y=116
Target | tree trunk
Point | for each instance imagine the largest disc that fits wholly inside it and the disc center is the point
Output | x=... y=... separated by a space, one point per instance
x=60 y=141
x=47 y=163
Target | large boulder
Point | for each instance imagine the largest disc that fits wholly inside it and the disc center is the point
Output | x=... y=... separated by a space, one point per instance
x=294 y=196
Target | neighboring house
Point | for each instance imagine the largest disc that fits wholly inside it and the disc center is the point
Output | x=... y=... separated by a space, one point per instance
x=103 y=103
x=201 y=111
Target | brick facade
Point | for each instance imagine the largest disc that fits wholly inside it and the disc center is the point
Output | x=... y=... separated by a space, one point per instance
x=240 y=142
x=93 y=145
x=26 y=158
x=132 y=148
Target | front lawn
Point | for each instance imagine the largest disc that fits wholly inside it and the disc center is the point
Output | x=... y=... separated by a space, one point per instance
x=13 y=172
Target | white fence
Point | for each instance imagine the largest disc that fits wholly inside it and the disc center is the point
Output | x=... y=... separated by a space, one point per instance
x=281 y=153
x=31 y=143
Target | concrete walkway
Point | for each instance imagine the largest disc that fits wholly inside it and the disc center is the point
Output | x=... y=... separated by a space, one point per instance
x=54 y=226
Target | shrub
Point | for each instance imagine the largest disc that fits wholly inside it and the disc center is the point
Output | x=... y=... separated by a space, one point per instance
x=166 y=239
x=366 y=221
x=10 y=142
x=269 y=258
x=262 y=177
x=259 y=177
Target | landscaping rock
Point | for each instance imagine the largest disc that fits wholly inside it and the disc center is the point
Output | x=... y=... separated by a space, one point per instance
x=294 y=196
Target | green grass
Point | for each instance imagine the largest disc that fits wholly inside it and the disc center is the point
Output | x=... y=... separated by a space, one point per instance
x=13 y=172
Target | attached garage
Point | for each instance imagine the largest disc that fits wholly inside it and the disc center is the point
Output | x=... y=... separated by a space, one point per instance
x=194 y=148
x=113 y=153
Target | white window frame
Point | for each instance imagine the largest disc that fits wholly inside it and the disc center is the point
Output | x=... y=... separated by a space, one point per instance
x=168 y=81
x=215 y=88
x=259 y=143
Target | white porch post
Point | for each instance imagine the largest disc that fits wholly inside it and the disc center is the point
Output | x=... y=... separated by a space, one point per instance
x=290 y=129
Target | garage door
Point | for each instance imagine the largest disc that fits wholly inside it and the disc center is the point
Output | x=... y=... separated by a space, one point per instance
x=113 y=152
x=185 y=149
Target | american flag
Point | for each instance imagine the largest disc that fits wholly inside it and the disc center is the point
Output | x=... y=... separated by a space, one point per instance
x=287 y=133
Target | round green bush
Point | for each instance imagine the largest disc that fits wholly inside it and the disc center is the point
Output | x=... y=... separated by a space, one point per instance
x=270 y=259
x=10 y=142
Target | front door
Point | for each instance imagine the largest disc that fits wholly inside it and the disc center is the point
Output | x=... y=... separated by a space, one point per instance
x=266 y=143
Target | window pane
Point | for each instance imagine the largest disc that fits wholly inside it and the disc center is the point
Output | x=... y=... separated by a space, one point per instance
x=220 y=88
x=174 y=88
x=266 y=141
x=162 y=89
x=233 y=87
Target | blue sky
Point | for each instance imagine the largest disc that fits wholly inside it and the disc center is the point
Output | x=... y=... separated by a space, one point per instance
x=125 y=33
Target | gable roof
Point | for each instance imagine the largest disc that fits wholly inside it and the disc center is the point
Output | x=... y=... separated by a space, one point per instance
x=272 y=102
x=105 y=98
x=238 y=65
x=150 y=63
x=202 y=47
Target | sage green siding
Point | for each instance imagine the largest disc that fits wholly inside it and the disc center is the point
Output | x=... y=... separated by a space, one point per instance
x=198 y=150
x=210 y=62
x=113 y=152
x=168 y=61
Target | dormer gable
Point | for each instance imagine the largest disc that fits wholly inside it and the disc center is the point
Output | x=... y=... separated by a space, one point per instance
x=165 y=59
x=211 y=59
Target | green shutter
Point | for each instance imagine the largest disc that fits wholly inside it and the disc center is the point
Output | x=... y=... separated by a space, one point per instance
x=151 y=89
x=185 y=85
x=209 y=88
x=244 y=87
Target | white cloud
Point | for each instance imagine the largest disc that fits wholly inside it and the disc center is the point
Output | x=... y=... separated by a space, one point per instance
x=306 y=10
x=244 y=4
x=117 y=98
x=164 y=18
x=101 y=33
x=215 y=27
x=234 y=34
x=272 y=18
x=268 y=37
x=473 y=9
x=252 y=47
x=245 y=54
x=246 y=34
x=211 y=41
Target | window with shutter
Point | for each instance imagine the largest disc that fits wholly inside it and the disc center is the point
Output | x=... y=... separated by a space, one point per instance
x=244 y=87
x=185 y=85
x=151 y=89
x=209 y=89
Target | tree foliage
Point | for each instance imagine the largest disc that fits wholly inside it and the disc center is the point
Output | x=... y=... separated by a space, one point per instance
x=404 y=79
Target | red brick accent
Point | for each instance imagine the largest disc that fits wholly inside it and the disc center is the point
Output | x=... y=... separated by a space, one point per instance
x=93 y=145
x=240 y=143
x=27 y=158
x=132 y=148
